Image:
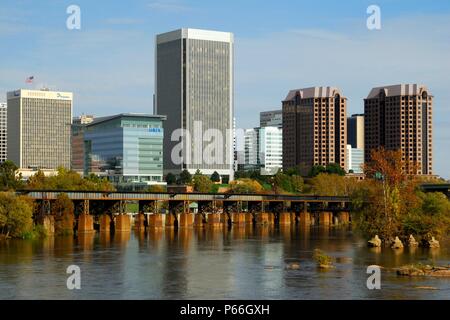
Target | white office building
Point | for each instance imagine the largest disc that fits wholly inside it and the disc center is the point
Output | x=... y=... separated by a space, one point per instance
x=354 y=159
x=3 y=132
x=264 y=149
x=39 y=125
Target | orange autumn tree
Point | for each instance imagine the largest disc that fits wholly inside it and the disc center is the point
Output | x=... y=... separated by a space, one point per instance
x=386 y=196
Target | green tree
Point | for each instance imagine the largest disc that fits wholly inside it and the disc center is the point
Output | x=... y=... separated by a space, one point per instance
x=291 y=184
x=63 y=211
x=185 y=177
x=202 y=183
x=316 y=170
x=156 y=188
x=431 y=217
x=68 y=180
x=245 y=185
x=15 y=215
x=334 y=168
x=8 y=178
x=170 y=178
x=215 y=177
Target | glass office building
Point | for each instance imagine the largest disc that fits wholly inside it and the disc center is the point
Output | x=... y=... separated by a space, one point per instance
x=126 y=148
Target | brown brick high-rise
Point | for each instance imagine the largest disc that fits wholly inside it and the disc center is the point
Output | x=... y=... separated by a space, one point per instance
x=399 y=117
x=314 y=127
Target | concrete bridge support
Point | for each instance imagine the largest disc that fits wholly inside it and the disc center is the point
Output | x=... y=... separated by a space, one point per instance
x=213 y=220
x=85 y=223
x=325 y=218
x=285 y=218
x=343 y=217
x=155 y=220
x=140 y=222
x=123 y=223
x=198 y=220
x=48 y=222
x=239 y=218
x=105 y=223
x=262 y=218
x=186 y=220
x=171 y=220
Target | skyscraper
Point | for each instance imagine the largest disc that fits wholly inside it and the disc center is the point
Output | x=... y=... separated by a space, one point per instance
x=3 y=132
x=355 y=131
x=355 y=143
x=194 y=88
x=399 y=117
x=271 y=118
x=39 y=124
x=263 y=149
x=314 y=127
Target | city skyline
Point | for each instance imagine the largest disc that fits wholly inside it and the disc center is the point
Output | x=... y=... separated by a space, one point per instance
x=123 y=80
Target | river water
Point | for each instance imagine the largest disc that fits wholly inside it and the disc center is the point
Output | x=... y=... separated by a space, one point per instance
x=241 y=263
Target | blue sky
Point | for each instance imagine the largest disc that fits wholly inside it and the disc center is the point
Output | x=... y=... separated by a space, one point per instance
x=279 y=45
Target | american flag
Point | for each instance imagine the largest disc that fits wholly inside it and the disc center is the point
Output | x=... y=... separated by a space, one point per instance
x=29 y=79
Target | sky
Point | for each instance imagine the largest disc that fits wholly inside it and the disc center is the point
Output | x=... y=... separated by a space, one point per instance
x=279 y=45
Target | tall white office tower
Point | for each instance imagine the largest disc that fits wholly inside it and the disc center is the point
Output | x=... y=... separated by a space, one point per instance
x=39 y=123
x=3 y=131
x=194 y=88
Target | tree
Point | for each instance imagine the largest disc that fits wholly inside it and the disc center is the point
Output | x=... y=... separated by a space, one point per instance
x=68 y=180
x=63 y=211
x=15 y=215
x=283 y=182
x=315 y=170
x=170 y=178
x=245 y=185
x=326 y=184
x=185 y=177
x=334 y=168
x=156 y=188
x=215 y=177
x=431 y=217
x=8 y=178
x=202 y=183
x=384 y=203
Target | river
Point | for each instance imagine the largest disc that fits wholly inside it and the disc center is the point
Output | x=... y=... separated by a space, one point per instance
x=241 y=263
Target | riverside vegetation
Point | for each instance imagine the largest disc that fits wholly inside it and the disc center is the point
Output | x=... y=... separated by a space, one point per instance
x=388 y=203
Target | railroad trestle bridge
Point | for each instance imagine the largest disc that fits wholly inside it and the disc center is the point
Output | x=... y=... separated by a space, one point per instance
x=108 y=209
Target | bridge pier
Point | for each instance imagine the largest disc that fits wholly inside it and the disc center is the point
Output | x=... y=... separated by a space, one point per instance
x=214 y=220
x=285 y=218
x=105 y=223
x=198 y=220
x=155 y=220
x=262 y=218
x=239 y=218
x=123 y=223
x=325 y=218
x=343 y=217
x=171 y=220
x=186 y=220
x=139 y=222
x=85 y=223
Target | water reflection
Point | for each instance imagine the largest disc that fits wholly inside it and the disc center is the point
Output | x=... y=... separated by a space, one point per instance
x=242 y=262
